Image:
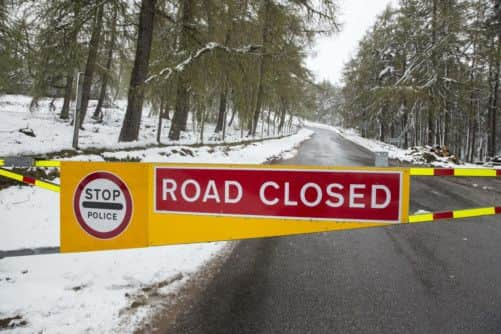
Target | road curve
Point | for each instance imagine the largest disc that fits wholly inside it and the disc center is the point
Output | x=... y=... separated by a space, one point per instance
x=426 y=278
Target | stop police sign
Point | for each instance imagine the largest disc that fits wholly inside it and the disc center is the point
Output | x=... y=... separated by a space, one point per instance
x=366 y=196
x=103 y=205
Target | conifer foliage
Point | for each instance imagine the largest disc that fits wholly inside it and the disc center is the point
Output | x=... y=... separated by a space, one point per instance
x=220 y=61
x=427 y=73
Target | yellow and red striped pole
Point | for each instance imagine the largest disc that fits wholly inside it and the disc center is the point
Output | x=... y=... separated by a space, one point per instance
x=467 y=172
x=466 y=213
x=461 y=172
x=29 y=180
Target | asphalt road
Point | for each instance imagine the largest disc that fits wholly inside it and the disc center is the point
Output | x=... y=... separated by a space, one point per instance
x=426 y=278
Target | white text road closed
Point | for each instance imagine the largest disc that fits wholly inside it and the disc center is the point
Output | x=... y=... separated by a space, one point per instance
x=344 y=195
x=102 y=205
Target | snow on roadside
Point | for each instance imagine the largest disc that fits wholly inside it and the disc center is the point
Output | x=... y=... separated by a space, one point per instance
x=27 y=218
x=257 y=152
x=90 y=292
x=24 y=225
x=411 y=155
x=370 y=144
x=53 y=134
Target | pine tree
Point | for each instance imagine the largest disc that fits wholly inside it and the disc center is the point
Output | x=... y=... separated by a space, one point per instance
x=132 y=120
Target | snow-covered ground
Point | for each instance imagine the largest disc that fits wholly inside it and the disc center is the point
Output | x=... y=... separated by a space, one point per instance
x=24 y=225
x=95 y=291
x=414 y=156
x=53 y=134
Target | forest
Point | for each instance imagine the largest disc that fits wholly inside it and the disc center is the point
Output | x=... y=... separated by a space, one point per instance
x=427 y=73
x=216 y=60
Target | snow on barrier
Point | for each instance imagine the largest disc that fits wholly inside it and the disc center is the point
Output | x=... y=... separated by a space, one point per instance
x=125 y=205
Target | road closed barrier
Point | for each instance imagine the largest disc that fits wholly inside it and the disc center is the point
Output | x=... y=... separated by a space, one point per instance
x=123 y=205
x=126 y=205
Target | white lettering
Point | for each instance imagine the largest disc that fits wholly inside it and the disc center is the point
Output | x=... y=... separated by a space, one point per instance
x=338 y=197
x=168 y=187
x=263 y=189
x=196 y=187
x=354 y=196
x=211 y=192
x=238 y=187
x=318 y=198
x=374 y=198
x=287 y=200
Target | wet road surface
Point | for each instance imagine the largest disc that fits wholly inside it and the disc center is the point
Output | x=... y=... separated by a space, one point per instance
x=426 y=278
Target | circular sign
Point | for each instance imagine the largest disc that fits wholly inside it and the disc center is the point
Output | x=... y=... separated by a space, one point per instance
x=102 y=205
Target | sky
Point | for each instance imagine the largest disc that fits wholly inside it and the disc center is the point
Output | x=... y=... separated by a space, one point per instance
x=329 y=54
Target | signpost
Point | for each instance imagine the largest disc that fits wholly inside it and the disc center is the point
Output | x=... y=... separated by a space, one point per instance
x=76 y=114
x=124 y=205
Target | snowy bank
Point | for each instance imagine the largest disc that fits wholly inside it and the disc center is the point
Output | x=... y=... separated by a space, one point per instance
x=101 y=291
x=93 y=292
x=24 y=225
x=52 y=134
x=414 y=155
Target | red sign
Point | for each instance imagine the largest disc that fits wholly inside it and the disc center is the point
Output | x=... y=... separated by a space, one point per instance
x=366 y=196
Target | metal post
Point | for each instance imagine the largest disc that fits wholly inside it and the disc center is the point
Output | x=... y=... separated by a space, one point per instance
x=76 y=114
x=224 y=123
x=381 y=159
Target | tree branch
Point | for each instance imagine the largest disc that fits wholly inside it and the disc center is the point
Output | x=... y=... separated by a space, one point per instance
x=318 y=13
x=209 y=47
